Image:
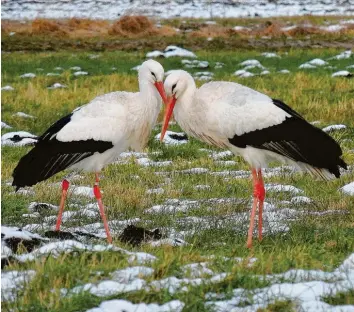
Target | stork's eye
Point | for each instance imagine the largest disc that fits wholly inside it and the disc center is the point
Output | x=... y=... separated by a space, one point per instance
x=174 y=86
x=152 y=73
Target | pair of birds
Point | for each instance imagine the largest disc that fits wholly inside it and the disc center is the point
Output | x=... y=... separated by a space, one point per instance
x=223 y=114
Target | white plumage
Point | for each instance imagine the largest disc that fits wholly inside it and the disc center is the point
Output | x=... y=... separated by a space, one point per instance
x=94 y=135
x=250 y=124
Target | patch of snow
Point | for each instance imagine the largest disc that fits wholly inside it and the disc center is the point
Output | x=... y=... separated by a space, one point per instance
x=196 y=270
x=131 y=273
x=80 y=73
x=155 y=53
x=57 y=85
x=15 y=232
x=342 y=56
x=4 y=125
x=195 y=171
x=251 y=62
x=225 y=162
x=173 y=138
x=220 y=155
x=332 y=28
x=76 y=68
x=265 y=72
x=318 y=62
x=13 y=282
x=147 y=162
x=52 y=74
x=59 y=68
x=270 y=55
x=174 y=206
x=342 y=73
x=243 y=73
x=219 y=65
x=19 y=138
x=126 y=306
x=137 y=67
x=284 y=71
x=23 y=115
x=350 y=66
x=307 y=66
x=238 y=28
x=306 y=288
x=7 y=88
x=348 y=189
x=301 y=200
x=334 y=127
x=202 y=187
x=171 y=51
x=94 y=56
x=82 y=191
x=155 y=191
x=168 y=241
x=282 y=188
x=28 y=75
x=195 y=64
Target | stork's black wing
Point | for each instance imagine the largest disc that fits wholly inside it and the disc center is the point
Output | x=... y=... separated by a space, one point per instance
x=297 y=140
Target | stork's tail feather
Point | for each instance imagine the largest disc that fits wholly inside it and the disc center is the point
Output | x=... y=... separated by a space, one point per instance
x=26 y=171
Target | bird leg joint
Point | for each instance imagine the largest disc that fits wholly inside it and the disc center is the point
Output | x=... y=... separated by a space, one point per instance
x=259 y=191
x=97 y=192
x=65 y=185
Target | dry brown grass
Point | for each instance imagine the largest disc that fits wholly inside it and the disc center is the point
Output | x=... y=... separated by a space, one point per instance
x=213 y=31
x=143 y=27
x=45 y=27
x=128 y=26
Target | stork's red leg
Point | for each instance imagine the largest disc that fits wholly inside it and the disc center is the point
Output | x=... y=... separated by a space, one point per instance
x=97 y=192
x=64 y=186
x=261 y=196
x=254 y=208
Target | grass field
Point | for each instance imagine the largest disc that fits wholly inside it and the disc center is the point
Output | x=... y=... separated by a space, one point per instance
x=316 y=235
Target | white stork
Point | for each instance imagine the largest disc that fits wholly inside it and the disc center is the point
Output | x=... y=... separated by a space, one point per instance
x=94 y=135
x=250 y=124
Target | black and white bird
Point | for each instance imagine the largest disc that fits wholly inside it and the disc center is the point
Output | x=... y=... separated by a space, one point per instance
x=94 y=135
x=250 y=124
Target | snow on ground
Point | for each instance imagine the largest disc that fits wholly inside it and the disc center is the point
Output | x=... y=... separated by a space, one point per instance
x=147 y=162
x=28 y=75
x=22 y=115
x=82 y=191
x=57 y=85
x=284 y=71
x=126 y=306
x=348 y=189
x=171 y=51
x=7 y=88
x=243 y=73
x=4 y=125
x=341 y=56
x=280 y=188
x=195 y=64
x=342 y=73
x=80 y=73
x=23 y=9
x=203 y=76
x=270 y=55
x=13 y=282
x=334 y=127
x=19 y=138
x=305 y=287
x=173 y=138
x=52 y=74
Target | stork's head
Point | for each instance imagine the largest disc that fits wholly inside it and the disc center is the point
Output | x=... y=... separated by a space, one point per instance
x=153 y=72
x=176 y=85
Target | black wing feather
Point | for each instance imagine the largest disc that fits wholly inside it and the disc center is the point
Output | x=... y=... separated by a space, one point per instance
x=297 y=140
x=51 y=156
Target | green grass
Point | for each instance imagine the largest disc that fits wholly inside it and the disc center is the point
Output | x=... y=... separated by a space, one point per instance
x=311 y=243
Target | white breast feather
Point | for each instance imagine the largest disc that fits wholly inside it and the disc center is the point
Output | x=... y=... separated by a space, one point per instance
x=104 y=118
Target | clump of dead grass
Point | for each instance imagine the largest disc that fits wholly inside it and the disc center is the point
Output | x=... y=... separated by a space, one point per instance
x=128 y=26
x=213 y=31
x=45 y=27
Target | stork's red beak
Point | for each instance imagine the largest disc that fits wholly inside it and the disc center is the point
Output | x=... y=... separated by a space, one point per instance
x=161 y=90
x=168 y=113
